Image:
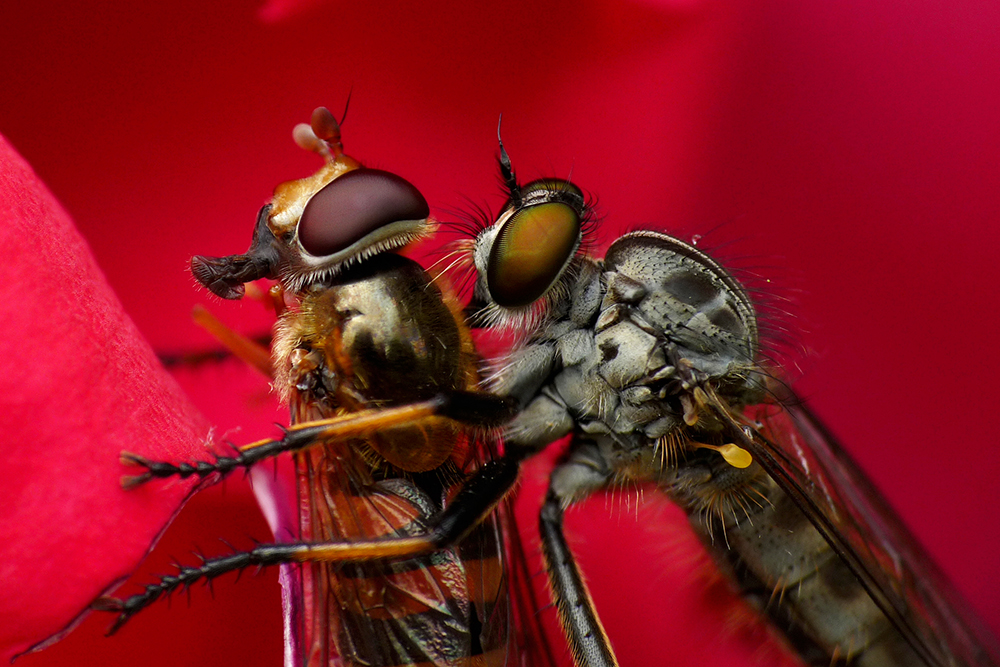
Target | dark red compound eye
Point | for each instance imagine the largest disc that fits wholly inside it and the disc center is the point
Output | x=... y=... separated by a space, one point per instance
x=354 y=205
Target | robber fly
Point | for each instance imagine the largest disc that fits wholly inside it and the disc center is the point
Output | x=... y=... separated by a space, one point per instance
x=390 y=433
x=650 y=360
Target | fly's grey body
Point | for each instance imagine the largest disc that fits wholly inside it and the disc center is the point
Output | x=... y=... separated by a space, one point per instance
x=615 y=362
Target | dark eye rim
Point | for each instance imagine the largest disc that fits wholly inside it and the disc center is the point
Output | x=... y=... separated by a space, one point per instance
x=552 y=190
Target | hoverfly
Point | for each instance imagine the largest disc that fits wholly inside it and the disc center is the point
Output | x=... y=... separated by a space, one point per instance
x=390 y=432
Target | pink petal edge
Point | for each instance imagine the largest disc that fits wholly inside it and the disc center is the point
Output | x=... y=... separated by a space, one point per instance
x=80 y=386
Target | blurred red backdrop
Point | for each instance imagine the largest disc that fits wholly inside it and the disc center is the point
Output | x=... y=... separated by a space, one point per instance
x=847 y=154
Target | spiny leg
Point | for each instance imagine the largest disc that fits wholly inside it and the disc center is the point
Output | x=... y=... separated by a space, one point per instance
x=476 y=408
x=475 y=501
x=584 y=472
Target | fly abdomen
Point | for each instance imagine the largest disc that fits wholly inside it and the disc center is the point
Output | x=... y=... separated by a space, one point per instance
x=785 y=567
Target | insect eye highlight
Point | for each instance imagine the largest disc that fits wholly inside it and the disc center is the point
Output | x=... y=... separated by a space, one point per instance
x=533 y=246
x=352 y=206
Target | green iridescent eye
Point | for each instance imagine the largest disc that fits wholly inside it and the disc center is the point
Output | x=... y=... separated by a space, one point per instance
x=530 y=252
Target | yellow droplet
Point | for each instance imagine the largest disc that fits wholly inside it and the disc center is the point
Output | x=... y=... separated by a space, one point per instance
x=735 y=456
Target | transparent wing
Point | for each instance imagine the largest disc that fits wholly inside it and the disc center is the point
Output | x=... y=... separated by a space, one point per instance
x=406 y=612
x=470 y=605
x=803 y=458
x=528 y=645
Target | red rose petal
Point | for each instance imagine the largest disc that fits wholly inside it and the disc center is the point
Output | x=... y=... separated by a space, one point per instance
x=850 y=145
x=79 y=386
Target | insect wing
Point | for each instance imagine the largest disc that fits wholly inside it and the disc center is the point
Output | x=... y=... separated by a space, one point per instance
x=527 y=644
x=406 y=612
x=379 y=612
x=839 y=499
x=449 y=608
x=502 y=586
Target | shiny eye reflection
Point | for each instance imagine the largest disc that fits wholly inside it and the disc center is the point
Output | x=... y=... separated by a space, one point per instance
x=535 y=243
x=354 y=205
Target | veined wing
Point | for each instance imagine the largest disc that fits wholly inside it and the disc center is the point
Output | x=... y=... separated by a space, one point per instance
x=814 y=470
x=527 y=644
x=408 y=612
x=447 y=608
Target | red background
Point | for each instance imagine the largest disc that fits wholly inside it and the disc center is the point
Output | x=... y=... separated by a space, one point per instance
x=848 y=154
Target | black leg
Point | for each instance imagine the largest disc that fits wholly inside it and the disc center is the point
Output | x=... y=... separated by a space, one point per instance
x=587 y=639
x=475 y=501
x=582 y=473
x=476 y=408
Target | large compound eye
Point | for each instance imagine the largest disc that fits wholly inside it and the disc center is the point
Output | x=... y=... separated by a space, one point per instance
x=535 y=244
x=352 y=206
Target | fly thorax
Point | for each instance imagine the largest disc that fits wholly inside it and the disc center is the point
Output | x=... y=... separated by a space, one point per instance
x=669 y=319
x=383 y=329
x=681 y=310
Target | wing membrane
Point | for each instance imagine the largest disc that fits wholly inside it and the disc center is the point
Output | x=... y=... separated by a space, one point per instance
x=408 y=612
x=449 y=608
x=805 y=460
